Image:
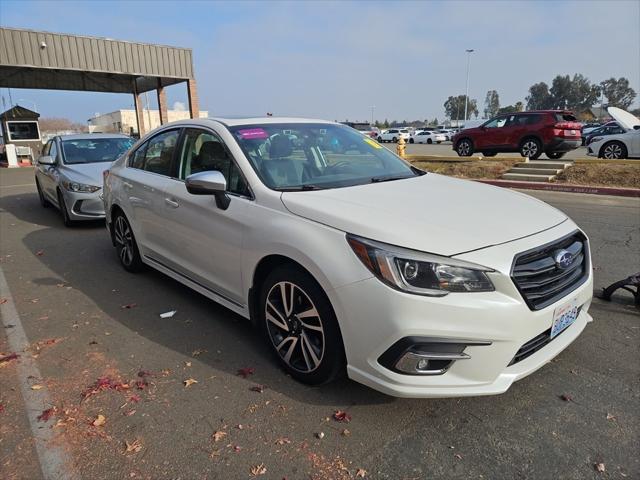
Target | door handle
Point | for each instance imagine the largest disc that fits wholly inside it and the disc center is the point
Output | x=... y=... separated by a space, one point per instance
x=171 y=202
x=127 y=184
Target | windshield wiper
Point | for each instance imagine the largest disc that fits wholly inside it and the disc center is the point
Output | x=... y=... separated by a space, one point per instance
x=299 y=188
x=387 y=179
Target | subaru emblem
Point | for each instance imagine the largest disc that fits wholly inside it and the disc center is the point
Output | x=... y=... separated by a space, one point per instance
x=563 y=259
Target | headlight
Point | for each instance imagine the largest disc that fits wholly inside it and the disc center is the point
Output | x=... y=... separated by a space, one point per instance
x=79 y=187
x=595 y=139
x=417 y=272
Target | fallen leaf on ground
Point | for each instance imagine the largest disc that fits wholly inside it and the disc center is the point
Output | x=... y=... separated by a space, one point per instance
x=129 y=413
x=3 y=301
x=258 y=470
x=134 y=398
x=599 y=467
x=258 y=388
x=39 y=253
x=187 y=364
x=458 y=456
x=245 y=372
x=129 y=306
x=103 y=383
x=341 y=416
x=361 y=473
x=99 y=421
x=282 y=441
x=141 y=384
x=146 y=373
x=1 y=408
x=168 y=314
x=47 y=414
x=610 y=416
x=197 y=352
x=189 y=381
x=566 y=397
x=36 y=387
x=346 y=433
x=218 y=435
x=93 y=342
x=134 y=447
x=8 y=358
x=320 y=435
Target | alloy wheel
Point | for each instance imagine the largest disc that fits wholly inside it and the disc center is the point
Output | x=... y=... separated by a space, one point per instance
x=612 y=151
x=529 y=148
x=124 y=240
x=464 y=149
x=295 y=327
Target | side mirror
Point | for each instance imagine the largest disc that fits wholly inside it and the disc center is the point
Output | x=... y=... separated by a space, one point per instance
x=47 y=160
x=636 y=127
x=209 y=183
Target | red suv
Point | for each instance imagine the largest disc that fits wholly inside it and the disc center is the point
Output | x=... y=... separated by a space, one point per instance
x=553 y=132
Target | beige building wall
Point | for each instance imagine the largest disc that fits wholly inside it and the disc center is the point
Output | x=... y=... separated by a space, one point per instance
x=124 y=121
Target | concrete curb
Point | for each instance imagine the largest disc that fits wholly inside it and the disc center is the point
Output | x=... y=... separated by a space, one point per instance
x=560 y=187
x=445 y=158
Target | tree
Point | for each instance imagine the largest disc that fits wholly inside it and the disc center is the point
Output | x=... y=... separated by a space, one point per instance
x=518 y=107
x=491 y=104
x=539 y=97
x=618 y=92
x=454 y=106
x=575 y=93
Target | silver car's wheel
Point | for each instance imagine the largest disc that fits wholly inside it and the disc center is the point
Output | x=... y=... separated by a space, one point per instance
x=125 y=243
x=295 y=327
x=614 y=151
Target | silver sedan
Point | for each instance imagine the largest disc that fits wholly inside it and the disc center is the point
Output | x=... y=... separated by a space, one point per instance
x=69 y=173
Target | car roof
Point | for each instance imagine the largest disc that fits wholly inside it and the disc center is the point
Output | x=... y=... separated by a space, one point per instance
x=91 y=136
x=234 y=122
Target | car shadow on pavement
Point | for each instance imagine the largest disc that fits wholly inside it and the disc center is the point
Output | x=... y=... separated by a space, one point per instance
x=84 y=259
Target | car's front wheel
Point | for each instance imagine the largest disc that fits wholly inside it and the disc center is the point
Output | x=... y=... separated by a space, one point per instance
x=411 y=140
x=464 y=148
x=43 y=201
x=126 y=244
x=613 y=150
x=298 y=321
x=394 y=139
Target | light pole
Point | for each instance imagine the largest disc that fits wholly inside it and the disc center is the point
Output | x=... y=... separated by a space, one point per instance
x=372 y=109
x=466 y=96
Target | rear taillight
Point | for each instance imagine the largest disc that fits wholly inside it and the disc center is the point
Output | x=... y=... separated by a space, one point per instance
x=566 y=129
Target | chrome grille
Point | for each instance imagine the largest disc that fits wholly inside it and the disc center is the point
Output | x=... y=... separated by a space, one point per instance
x=539 y=278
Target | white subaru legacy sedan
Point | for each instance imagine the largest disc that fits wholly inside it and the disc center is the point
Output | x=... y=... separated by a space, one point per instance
x=348 y=258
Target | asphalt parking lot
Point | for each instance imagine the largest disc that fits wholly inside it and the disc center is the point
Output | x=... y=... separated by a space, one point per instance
x=445 y=149
x=86 y=319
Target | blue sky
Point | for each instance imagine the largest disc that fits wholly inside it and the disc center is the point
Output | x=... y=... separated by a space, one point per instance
x=334 y=59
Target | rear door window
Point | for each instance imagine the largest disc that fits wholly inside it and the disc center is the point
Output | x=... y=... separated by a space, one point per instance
x=158 y=156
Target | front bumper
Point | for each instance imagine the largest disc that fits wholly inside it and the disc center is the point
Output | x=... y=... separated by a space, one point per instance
x=374 y=317
x=84 y=206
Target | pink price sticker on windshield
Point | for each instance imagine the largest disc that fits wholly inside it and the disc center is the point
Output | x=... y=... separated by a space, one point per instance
x=253 y=133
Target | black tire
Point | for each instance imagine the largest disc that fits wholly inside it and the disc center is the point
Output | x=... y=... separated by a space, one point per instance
x=489 y=154
x=613 y=151
x=62 y=206
x=43 y=201
x=380 y=140
x=531 y=148
x=394 y=140
x=411 y=140
x=464 y=148
x=555 y=155
x=126 y=245
x=429 y=141
x=279 y=322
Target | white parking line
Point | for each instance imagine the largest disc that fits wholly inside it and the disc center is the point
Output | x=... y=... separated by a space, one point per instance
x=55 y=462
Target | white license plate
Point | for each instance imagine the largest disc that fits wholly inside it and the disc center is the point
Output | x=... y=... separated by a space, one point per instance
x=563 y=317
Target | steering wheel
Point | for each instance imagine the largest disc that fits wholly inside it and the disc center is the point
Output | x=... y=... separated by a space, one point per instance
x=340 y=165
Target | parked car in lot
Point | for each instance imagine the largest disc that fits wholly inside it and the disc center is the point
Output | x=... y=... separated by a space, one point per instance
x=393 y=135
x=589 y=128
x=352 y=260
x=603 y=131
x=427 y=136
x=68 y=175
x=621 y=145
x=532 y=133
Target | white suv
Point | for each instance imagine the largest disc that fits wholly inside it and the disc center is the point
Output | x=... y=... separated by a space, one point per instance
x=393 y=135
x=346 y=257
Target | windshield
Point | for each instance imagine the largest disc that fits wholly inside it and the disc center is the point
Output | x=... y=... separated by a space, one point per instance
x=306 y=156
x=92 y=150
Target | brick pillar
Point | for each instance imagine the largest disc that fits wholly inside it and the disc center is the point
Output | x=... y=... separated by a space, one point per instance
x=192 y=92
x=139 y=110
x=162 y=103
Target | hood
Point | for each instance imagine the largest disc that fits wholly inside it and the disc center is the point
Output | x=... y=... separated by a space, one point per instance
x=430 y=213
x=89 y=173
x=624 y=118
